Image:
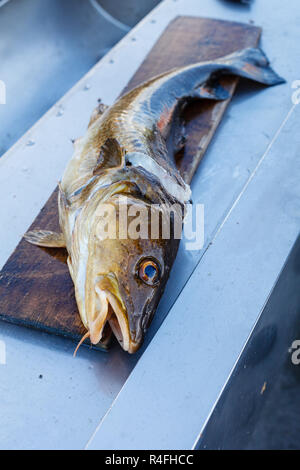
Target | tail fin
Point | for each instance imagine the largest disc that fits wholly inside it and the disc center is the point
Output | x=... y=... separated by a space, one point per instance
x=251 y=63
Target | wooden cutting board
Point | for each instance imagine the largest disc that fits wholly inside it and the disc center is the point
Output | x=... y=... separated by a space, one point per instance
x=35 y=286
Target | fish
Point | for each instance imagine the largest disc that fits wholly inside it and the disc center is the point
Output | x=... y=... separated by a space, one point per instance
x=245 y=2
x=126 y=158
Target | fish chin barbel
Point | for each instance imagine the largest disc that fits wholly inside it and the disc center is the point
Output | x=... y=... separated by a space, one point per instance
x=128 y=153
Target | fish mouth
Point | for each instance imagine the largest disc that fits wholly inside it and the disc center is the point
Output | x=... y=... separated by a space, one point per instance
x=109 y=310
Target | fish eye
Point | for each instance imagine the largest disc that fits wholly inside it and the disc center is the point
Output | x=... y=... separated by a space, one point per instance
x=149 y=271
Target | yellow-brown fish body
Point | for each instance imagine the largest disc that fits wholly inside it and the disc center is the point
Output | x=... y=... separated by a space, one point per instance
x=126 y=158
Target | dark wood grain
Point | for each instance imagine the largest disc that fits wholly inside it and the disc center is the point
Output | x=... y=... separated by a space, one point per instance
x=35 y=286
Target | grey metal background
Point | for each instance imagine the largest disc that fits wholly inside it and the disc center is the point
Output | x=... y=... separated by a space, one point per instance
x=248 y=183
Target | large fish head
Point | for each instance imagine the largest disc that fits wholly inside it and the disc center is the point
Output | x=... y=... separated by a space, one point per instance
x=126 y=272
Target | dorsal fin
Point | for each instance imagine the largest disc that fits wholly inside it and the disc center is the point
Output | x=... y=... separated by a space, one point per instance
x=111 y=155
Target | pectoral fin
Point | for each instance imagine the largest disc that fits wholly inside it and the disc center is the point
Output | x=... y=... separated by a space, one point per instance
x=45 y=238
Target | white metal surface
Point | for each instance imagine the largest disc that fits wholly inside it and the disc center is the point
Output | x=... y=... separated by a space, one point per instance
x=178 y=378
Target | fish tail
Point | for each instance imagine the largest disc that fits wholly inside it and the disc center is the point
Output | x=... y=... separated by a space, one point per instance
x=253 y=64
